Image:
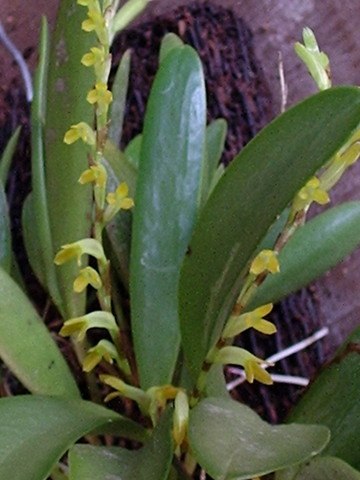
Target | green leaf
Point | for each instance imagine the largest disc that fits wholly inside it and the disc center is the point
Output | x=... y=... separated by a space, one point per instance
x=69 y=203
x=319 y=245
x=151 y=462
x=36 y=431
x=169 y=42
x=27 y=347
x=38 y=217
x=133 y=150
x=230 y=441
x=333 y=400
x=166 y=204
x=253 y=191
x=5 y=233
x=8 y=154
x=119 y=91
x=321 y=468
x=215 y=142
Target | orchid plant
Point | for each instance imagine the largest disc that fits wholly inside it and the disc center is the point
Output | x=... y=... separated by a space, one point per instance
x=157 y=258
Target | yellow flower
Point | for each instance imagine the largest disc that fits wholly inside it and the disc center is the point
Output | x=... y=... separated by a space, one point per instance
x=103 y=350
x=265 y=261
x=96 y=173
x=254 y=319
x=125 y=390
x=252 y=364
x=87 y=276
x=101 y=96
x=95 y=56
x=86 y=246
x=96 y=22
x=311 y=192
x=118 y=200
x=80 y=325
x=81 y=131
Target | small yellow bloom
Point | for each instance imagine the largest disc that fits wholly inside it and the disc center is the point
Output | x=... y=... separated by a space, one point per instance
x=86 y=246
x=125 y=390
x=118 y=200
x=254 y=319
x=251 y=364
x=87 y=276
x=101 y=96
x=96 y=174
x=96 y=56
x=311 y=192
x=265 y=261
x=103 y=350
x=80 y=325
x=96 y=22
x=81 y=131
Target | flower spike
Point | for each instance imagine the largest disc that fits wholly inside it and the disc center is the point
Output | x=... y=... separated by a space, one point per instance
x=103 y=350
x=254 y=319
x=86 y=246
x=265 y=261
x=311 y=192
x=80 y=325
x=87 y=276
x=81 y=131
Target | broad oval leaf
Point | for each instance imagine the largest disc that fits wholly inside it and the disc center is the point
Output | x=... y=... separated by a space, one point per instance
x=151 y=462
x=36 y=431
x=253 y=191
x=321 y=468
x=230 y=441
x=27 y=347
x=320 y=244
x=333 y=400
x=166 y=204
x=69 y=203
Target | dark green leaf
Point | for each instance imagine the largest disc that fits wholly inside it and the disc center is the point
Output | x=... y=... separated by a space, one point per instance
x=5 y=234
x=169 y=42
x=7 y=155
x=333 y=400
x=36 y=431
x=69 y=203
x=119 y=91
x=253 y=191
x=27 y=347
x=230 y=441
x=314 y=248
x=151 y=462
x=166 y=204
x=321 y=468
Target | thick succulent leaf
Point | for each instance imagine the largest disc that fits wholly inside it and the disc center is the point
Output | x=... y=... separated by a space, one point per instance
x=36 y=431
x=253 y=191
x=151 y=462
x=333 y=400
x=119 y=91
x=321 y=468
x=319 y=245
x=5 y=234
x=166 y=204
x=27 y=347
x=230 y=441
x=169 y=42
x=69 y=203
x=7 y=155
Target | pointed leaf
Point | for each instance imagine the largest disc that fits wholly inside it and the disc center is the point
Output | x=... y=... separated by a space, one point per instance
x=319 y=245
x=38 y=431
x=255 y=188
x=5 y=234
x=151 y=462
x=27 y=347
x=69 y=203
x=168 y=43
x=167 y=199
x=322 y=468
x=333 y=400
x=119 y=91
x=230 y=441
x=8 y=154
